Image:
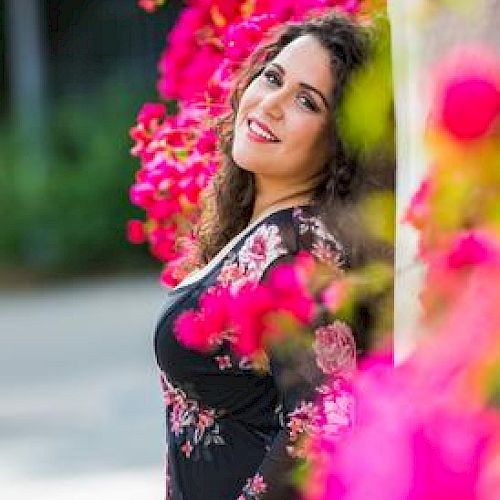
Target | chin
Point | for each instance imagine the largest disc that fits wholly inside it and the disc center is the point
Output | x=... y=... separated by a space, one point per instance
x=245 y=160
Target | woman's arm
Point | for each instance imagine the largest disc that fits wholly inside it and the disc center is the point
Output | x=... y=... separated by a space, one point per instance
x=297 y=375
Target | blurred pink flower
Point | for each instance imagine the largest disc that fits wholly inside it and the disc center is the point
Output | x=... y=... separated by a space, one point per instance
x=290 y=292
x=142 y=194
x=466 y=86
x=248 y=311
x=135 y=231
x=206 y=328
x=471 y=104
x=470 y=249
x=334 y=295
x=418 y=212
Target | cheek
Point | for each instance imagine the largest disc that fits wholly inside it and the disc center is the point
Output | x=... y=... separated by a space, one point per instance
x=307 y=135
x=247 y=100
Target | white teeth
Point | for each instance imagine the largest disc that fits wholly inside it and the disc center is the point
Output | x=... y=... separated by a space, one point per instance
x=254 y=127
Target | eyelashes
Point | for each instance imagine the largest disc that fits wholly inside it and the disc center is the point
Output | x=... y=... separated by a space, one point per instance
x=273 y=78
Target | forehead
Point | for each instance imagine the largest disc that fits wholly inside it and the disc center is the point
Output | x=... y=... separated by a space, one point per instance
x=306 y=60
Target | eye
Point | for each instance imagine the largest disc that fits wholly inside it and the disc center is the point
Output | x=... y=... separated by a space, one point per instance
x=272 y=77
x=308 y=102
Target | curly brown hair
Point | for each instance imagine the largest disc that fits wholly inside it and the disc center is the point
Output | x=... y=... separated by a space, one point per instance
x=228 y=202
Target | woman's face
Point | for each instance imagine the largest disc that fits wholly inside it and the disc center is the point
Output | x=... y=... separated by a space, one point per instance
x=282 y=122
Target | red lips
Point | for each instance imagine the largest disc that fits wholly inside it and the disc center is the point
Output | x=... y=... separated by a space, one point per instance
x=264 y=127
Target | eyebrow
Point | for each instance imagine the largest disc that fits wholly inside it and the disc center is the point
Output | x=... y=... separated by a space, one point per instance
x=304 y=85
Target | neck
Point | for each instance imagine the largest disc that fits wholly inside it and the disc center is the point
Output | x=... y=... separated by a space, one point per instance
x=267 y=200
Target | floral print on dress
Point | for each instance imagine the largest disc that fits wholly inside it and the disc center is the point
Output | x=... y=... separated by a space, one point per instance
x=246 y=267
x=192 y=425
x=335 y=349
x=254 y=488
x=300 y=422
x=331 y=416
x=258 y=251
x=324 y=245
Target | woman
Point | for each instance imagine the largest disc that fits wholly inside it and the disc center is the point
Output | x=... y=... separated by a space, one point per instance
x=284 y=166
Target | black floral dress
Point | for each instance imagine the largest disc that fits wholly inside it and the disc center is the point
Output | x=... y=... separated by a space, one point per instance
x=228 y=431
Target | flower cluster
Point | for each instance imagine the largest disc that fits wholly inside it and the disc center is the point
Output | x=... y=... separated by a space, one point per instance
x=431 y=426
x=169 y=183
x=251 y=316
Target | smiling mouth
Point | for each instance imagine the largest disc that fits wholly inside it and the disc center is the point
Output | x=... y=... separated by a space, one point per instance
x=256 y=132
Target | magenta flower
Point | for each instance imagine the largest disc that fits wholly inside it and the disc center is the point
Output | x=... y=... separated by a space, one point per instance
x=248 y=311
x=203 y=330
x=471 y=106
x=408 y=442
x=467 y=92
x=470 y=249
x=290 y=293
x=142 y=194
x=135 y=231
x=151 y=113
x=418 y=211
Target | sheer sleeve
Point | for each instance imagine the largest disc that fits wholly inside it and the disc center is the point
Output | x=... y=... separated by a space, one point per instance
x=299 y=373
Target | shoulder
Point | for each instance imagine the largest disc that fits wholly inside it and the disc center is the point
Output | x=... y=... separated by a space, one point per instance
x=314 y=236
x=278 y=238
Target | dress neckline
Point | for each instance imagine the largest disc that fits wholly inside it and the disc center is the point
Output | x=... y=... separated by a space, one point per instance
x=199 y=274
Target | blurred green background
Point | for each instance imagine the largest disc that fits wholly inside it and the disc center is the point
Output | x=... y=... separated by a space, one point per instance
x=74 y=75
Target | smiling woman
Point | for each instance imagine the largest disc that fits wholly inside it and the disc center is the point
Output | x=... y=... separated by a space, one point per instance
x=285 y=110
x=289 y=90
x=231 y=429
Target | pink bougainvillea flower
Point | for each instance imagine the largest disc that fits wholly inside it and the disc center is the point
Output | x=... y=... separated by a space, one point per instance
x=206 y=328
x=335 y=294
x=248 y=311
x=471 y=105
x=142 y=194
x=466 y=88
x=470 y=249
x=189 y=331
x=150 y=113
x=418 y=212
x=163 y=208
x=162 y=242
x=135 y=231
x=290 y=293
x=408 y=442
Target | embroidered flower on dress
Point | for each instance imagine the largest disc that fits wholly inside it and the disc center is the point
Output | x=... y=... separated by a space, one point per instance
x=223 y=361
x=260 y=249
x=301 y=419
x=187 y=448
x=254 y=488
x=231 y=273
x=335 y=348
x=336 y=409
x=325 y=246
x=189 y=422
x=330 y=416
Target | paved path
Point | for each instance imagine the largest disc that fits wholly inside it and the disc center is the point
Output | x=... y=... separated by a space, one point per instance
x=80 y=403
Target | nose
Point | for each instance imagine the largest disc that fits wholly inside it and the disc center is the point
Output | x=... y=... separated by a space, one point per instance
x=272 y=104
